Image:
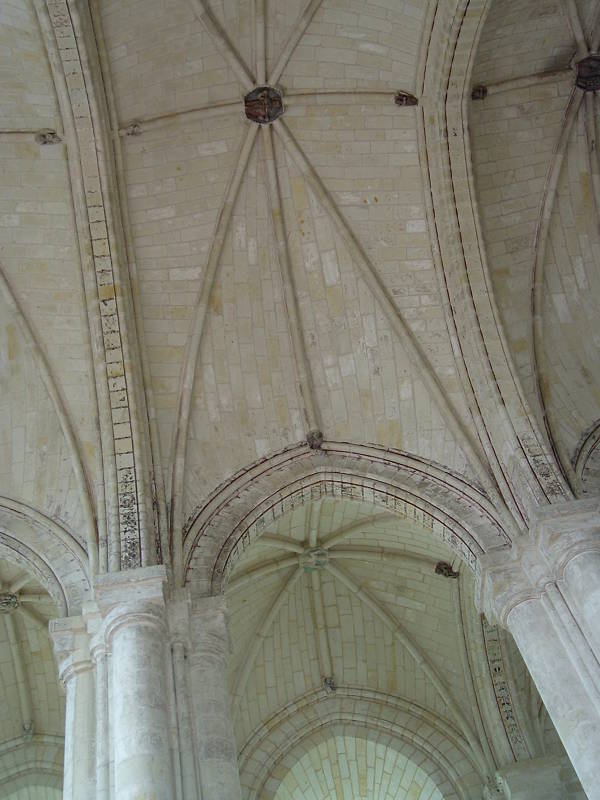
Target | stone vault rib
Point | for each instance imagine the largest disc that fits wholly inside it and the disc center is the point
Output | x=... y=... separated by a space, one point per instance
x=301 y=361
x=259 y=636
x=192 y=349
x=537 y=273
x=261 y=53
x=126 y=508
x=420 y=658
x=158 y=488
x=298 y=29
x=376 y=286
x=223 y=44
x=525 y=470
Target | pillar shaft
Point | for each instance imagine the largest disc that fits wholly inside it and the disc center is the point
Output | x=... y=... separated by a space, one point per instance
x=545 y=591
x=189 y=778
x=136 y=635
x=100 y=660
x=140 y=721
x=71 y=648
x=567 y=690
x=215 y=741
x=582 y=577
x=80 y=767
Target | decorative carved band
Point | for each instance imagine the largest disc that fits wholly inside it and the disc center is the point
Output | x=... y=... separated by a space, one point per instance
x=493 y=650
x=85 y=117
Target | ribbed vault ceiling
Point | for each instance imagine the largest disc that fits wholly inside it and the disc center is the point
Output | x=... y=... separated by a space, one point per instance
x=31 y=702
x=534 y=150
x=335 y=591
x=286 y=279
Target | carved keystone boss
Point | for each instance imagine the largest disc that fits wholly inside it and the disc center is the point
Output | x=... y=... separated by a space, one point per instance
x=263 y=105
x=8 y=602
x=314 y=559
x=588 y=73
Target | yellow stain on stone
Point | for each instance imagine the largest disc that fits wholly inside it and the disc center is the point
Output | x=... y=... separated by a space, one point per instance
x=281 y=409
x=335 y=301
x=216 y=301
x=414 y=792
x=520 y=345
x=299 y=193
x=389 y=432
x=106 y=292
x=12 y=342
x=586 y=190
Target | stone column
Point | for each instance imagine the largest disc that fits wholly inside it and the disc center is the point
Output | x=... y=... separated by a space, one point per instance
x=133 y=607
x=71 y=649
x=215 y=742
x=525 y=589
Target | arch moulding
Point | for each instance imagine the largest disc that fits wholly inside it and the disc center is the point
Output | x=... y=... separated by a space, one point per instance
x=456 y=511
x=47 y=551
x=430 y=742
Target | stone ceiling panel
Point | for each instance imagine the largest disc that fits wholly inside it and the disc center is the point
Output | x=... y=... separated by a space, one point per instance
x=27 y=100
x=569 y=361
x=176 y=180
x=161 y=59
x=523 y=38
x=512 y=152
x=28 y=680
x=35 y=459
x=353 y=44
x=40 y=266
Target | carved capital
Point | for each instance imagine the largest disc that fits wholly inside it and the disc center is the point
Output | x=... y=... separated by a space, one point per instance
x=71 y=645
x=134 y=597
x=558 y=533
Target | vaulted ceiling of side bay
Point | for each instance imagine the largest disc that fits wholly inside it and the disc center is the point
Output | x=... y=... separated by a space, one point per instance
x=288 y=279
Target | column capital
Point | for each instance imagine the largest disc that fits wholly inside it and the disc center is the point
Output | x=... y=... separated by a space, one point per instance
x=131 y=597
x=142 y=586
x=71 y=646
x=508 y=576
